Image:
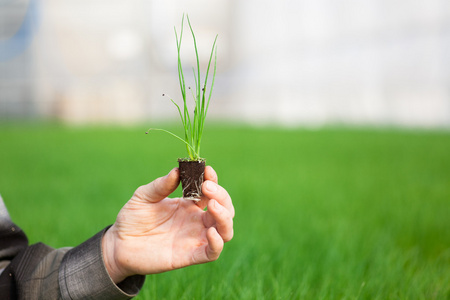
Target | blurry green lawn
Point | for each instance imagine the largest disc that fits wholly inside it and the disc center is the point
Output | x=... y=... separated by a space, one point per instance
x=325 y=214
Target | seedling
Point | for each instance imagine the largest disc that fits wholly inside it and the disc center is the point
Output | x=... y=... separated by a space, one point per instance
x=193 y=124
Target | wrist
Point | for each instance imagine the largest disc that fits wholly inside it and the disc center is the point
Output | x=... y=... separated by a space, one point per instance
x=109 y=256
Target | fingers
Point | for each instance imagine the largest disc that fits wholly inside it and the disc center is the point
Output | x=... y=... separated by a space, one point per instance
x=221 y=217
x=210 y=174
x=159 y=188
x=212 y=190
x=215 y=244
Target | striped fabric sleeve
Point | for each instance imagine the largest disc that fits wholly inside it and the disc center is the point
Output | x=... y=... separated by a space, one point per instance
x=83 y=275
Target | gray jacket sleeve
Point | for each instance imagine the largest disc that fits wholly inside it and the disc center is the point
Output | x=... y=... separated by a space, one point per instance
x=41 y=272
x=82 y=275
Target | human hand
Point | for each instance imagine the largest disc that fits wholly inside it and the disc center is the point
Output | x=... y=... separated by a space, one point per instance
x=154 y=234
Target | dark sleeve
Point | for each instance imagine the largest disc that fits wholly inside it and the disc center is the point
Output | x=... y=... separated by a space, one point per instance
x=32 y=274
x=83 y=275
x=41 y=272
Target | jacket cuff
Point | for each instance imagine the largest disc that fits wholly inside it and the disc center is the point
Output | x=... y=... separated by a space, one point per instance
x=83 y=275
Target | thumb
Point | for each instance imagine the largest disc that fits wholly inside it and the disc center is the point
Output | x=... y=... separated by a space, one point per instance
x=159 y=188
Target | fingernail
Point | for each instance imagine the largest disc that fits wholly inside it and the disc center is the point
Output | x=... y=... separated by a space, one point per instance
x=173 y=170
x=214 y=173
x=210 y=186
x=217 y=206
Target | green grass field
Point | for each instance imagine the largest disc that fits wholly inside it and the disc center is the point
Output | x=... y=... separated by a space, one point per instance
x=333 y=213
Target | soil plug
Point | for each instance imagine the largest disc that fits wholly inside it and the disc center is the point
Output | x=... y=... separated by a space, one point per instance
x=192 y=169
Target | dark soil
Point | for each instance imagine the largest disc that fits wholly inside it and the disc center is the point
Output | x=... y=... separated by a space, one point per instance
x=191 y=176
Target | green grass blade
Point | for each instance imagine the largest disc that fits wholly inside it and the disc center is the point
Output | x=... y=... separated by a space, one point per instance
x=183 y=120
x=196 y=55
x=176 y=136
x=205 y=110
x=213 y=80
x=193 y=124
x=180 y=69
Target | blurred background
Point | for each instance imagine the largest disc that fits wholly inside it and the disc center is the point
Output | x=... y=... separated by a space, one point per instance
x=336 y=196
x=306 y=62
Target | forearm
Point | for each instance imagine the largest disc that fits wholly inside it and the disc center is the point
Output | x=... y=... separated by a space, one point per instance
x=83 y=274
x=33 y=273
x=41 y=272
x=109 y=256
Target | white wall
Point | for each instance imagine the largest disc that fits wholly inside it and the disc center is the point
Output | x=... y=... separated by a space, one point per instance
x=286 y=62
x=347 y=61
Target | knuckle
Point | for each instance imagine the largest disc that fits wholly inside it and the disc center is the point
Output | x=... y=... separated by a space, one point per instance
x=227 y=231
x=213 y=255
x=229 y=236
x=139 y=192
